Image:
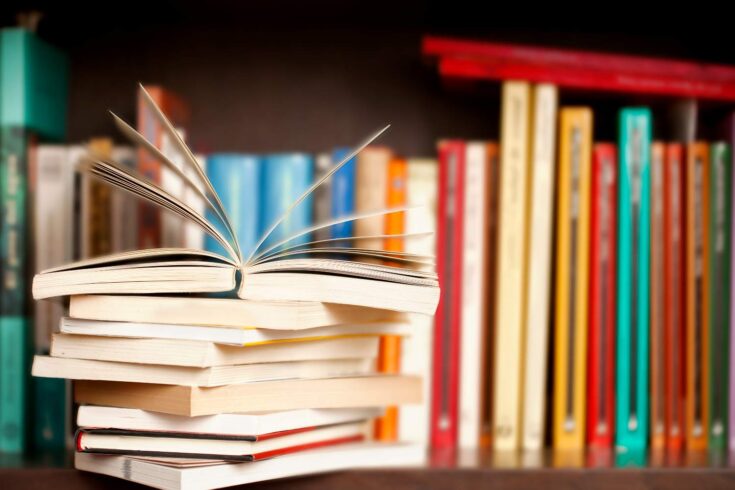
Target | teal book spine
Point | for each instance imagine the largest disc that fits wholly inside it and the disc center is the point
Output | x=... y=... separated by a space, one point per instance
x=14 y=322
x=720 y=196
x=631 y=403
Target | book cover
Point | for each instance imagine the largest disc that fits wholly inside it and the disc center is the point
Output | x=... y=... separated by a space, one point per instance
x=413 y=420
x=342 y=202
x=236 y=179
x=674 y=295
x=572 y=255
x=541 y=206
x=284 y=177
x=602 y=298
x=448 y=317
x=389 y=355
x=697 y=264
x=631 y=421
x=515 y=126
x=474 y=327
x=720 y=198
x=150 y=224
x=658 y=417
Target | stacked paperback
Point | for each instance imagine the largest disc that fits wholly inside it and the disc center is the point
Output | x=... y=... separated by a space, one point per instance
x=183 y=385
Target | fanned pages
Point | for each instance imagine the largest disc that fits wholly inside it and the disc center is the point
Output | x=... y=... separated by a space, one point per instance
x=336 y=271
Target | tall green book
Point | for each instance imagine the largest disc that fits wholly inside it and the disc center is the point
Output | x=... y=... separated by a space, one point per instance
x=33 y=101
x=719 y=286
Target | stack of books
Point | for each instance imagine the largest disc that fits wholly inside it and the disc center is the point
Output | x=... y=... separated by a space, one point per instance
x=176 y=381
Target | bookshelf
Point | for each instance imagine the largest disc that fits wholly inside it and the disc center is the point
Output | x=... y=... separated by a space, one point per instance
x=307 y=82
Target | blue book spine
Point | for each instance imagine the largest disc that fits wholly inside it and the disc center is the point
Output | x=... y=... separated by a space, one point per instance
x=285 y=177
x=631 y=404
x=343 y=193
x=236 y=179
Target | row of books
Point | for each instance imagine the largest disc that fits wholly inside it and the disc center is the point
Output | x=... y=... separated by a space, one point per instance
x=584 y=283
x=164 y=401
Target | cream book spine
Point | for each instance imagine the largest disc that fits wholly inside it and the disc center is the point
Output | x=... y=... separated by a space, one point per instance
x=413 y=420
x=514 y=136
x=474 y=259
x=538 y=258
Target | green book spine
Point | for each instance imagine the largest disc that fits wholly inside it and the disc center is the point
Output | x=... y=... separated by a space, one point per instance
x=51 y=426
x=14 y=324
x=719 y=297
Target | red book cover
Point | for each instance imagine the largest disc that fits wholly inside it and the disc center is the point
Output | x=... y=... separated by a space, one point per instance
x=674 y=296
x=601 y=337
x=580 y=69
x=444 y=403
x=149 y=217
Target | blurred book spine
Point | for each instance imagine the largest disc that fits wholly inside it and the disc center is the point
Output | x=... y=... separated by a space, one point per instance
x=343 y=194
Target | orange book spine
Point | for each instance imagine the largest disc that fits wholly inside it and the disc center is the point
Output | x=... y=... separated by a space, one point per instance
x=696 y=296
x=389 y=355
x=658 y=419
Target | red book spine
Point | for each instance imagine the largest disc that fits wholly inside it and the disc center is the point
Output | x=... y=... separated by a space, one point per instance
x=447 y=321
x=583 y=78
x=674 y=296
x=601 y=337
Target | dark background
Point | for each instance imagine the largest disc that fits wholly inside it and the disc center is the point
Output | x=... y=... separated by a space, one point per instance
x=310 y=75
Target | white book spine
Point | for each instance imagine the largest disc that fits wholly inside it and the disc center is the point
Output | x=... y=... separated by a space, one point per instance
x=473 y=294
x=413 y=422
x=193 y=233
x=172 y=226
x=541 y=201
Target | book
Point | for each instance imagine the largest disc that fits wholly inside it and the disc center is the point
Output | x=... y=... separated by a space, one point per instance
x=96 y=216
x=322 y=195
x=206 y=446
x=399 y=287
x=674 y=295
x=371 y=176
x=515 y=127
x=731 y=373
x=358 y=455
x=631 y=398
x=602 y=298
x=475 y=325
x=223 y=312
x=193 y=235
x=697 y=264
x=538 y=260
x=197 y=353
x=367 y=391
x=658 y=416
x=448 y=318
x=389 y=356
x=720 y=198
x=342 y=199
x=284 y=178
x=226 y=424
x=572 y=265
x=416 y=351
x=236 y=178
x=150 y=126
x=123 y=208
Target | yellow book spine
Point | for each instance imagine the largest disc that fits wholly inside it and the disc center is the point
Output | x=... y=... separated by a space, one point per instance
x=572 y=249
x=514 y=162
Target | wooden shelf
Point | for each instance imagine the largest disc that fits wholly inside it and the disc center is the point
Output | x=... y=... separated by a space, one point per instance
x=467 y=470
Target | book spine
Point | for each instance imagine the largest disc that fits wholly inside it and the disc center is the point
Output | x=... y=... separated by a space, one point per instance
x=236 y=180
x=123 y=216
x=658 y=418
x=14 y=322
x=731 y=391
x=474 y=292
x=193 y=233
x=285 y=177
x=389 y=353
x=448 y=317
x=572 y=249
x=370 y=193
x=602 y=298
x=509 y=299
x=631 y=422
x=720 y=197
x=98 y=205
x=697 y=263
x=674 y=296
x=413 y=420
x=322 y=195
x=149 y=216
x=342 y=202
x=541 y=205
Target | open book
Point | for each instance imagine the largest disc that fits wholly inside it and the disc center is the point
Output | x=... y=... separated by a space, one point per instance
x=323 y=270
